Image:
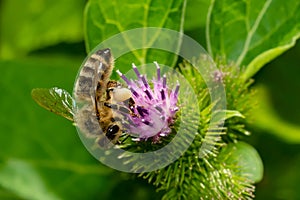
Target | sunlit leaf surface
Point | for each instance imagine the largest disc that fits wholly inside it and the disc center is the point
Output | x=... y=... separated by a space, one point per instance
x=56 y=100
x=103 y=20
x=252 y=32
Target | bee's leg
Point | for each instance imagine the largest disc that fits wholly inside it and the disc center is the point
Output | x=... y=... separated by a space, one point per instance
x=130 y=103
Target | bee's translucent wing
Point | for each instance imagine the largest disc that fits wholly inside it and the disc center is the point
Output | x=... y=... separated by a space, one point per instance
x=93 y=76
x=89 y=88
x=56 y=100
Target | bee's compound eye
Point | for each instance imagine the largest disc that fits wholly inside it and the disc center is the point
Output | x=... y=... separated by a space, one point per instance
x=121 y=94
x=111 y=131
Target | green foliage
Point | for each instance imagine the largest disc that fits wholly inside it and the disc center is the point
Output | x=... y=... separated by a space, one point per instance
x=227 y=49
x=252 y=33
x=246 y=157
x=40 y=149
x=42 y=153
x=195 y=15
x=238 y=164
x=31 y=25
x=281 y=164
x=103 y=20
x=267 y=119
x=55 y=100
x=20 y=177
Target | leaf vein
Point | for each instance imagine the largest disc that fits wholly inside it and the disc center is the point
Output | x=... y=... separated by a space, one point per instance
x=252 y=31
x=207 y=28
x=273 y=31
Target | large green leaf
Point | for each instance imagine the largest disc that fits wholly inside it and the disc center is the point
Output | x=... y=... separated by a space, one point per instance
x=195 y=16
x=278 y=111
x=20 y=177
x=266 y=118
x=28 y=25
x=39 y=148
x=8 y=195
x=195 y=19
x=252 y=32
x=104 y=19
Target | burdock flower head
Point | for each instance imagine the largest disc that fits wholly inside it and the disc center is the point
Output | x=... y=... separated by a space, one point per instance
x=154 y=106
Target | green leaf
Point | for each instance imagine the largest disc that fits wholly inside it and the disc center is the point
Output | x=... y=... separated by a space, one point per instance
x=34 y=24
x=196 y=12
x=227 y=114
x=21 y=178
x=8 y=195
x=251 y=33
x=246 y=158
x=48 y=146
x=55 y=100
x=266 y=118
x=104 y=19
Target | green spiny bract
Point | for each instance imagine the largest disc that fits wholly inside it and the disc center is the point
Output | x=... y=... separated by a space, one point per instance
x=193 y=176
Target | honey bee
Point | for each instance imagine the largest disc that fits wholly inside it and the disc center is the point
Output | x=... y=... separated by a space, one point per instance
x=98 y=101
x=100 y=115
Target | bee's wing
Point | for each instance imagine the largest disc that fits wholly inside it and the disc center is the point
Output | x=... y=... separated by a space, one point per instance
x=90 y=85
x=93 y=76
x=56 y=100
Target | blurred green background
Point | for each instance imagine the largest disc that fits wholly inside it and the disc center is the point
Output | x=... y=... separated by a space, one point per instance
x=41 y=156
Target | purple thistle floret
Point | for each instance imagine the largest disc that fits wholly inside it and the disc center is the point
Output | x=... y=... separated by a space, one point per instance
x=154 y=109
